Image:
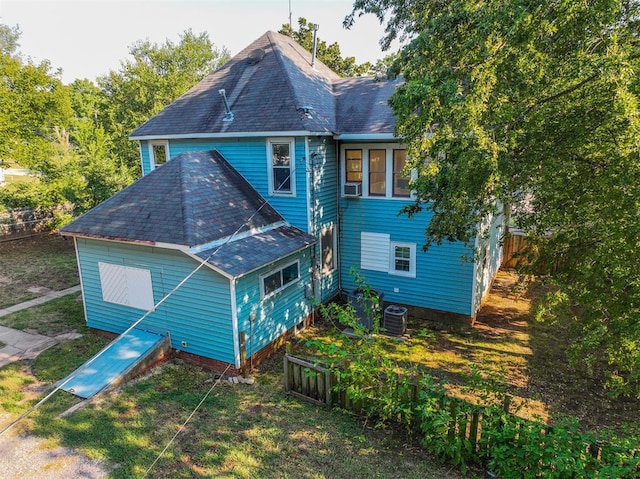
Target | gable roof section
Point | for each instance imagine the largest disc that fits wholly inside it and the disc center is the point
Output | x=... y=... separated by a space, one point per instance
x=267 y=85
x=194 y=199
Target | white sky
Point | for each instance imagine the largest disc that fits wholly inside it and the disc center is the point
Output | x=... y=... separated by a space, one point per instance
x=88 y=38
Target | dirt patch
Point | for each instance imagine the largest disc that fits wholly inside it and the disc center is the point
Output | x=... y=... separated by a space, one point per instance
x=544 y=377
x=26 y=456
x=31 y=266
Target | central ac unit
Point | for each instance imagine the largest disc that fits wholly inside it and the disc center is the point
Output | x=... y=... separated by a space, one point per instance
x=394 y=321
x=353 y=189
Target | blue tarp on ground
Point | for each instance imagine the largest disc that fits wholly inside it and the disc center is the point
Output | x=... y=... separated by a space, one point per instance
x=113 y=363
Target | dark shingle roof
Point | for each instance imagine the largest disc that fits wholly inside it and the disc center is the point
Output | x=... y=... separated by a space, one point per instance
x=247 y=254
x=194 y=199
x=362 y=105
x=267 y=85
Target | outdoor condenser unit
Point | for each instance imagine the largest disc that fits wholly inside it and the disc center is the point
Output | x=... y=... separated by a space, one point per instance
x=394 y=320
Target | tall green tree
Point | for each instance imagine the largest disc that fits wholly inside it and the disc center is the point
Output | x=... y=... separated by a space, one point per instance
x=330 y=55
x=533 y=105
x=52 y=130
x=32 y=101
x=156 y=76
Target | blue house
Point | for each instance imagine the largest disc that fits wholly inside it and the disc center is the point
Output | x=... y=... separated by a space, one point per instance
x=271 y=178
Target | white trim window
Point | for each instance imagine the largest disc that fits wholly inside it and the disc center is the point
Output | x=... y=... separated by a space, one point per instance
x=379 y=168
x=328 y=248
x=275 y=281
x=126 y=286
x=403 y=259
x=158 y=153
x=281 y=161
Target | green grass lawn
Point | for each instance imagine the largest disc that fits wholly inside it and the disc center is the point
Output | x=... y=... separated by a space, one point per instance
x=47 y=260
x=62 y=315
x=241 y=431
x=507 y=350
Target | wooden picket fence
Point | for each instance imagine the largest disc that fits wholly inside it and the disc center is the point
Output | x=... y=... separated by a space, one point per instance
x=317 y=384
x=308 y=381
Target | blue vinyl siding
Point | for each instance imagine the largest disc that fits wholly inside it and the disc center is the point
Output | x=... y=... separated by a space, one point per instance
x=249 y=157
x=489 y=244
x=199 y=313
x=444 y=279
x=278 y=313
x=324 y=203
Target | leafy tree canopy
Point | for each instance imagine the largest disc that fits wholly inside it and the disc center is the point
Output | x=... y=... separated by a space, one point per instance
x=50 y=129
x=32 y=101
x=533 y=105
x=157 y=75
x=330 y=55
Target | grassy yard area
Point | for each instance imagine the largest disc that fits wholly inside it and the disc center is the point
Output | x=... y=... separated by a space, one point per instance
x=240 y=431
x=40 y=261
x=258 y=431
x=506 y=350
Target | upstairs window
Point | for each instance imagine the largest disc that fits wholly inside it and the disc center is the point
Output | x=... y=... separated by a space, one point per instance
x=400 y=181
x=377 y=172
x=281 y=161
x=158 y=153
x=379 y=168
x=353 y=159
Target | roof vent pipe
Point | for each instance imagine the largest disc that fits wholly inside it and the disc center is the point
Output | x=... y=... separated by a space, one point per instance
x=228 y=115
x=315 y=44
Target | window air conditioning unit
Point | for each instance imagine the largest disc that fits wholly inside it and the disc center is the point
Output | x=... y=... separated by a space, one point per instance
x=353 y=190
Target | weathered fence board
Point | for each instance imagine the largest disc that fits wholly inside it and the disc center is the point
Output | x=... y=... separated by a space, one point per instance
x=307 y=380
x=513 y=250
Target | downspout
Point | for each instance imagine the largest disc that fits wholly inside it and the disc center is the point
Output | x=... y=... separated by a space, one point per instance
x=311 y=212
x=234 y=322
x=309 y=169
x=339 y=215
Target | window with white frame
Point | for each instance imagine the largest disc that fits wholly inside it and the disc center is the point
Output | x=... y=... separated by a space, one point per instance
x=278 y=279
x=403 y=259
x=281 y=155
x=158 y=153
x=380 y=168
x=377 y=173
x=400 y=180
x=126 y=286
x=353 y=166
x=328 y=247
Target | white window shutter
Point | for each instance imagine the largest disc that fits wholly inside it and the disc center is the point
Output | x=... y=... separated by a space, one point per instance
x=114 y=283
x=374 y=251
x=126 y=286
x=140 y=288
